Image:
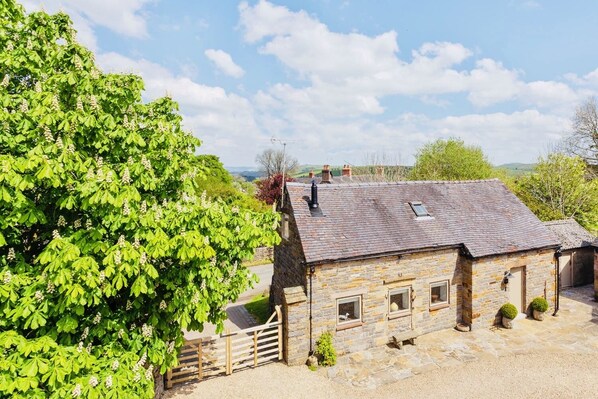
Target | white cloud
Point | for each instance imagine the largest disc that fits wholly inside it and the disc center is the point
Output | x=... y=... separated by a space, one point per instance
x=224 y=62
x=224 y=121
x=121 y=16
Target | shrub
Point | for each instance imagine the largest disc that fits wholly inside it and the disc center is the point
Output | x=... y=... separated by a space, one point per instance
x=509 y=311
x=325 y=351
x=540 y=304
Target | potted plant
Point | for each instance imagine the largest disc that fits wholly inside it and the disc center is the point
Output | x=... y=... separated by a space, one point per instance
x=509 y=312
x=539 y=306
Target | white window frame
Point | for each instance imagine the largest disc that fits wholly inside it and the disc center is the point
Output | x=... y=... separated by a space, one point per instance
x=400 y=312
x=448 y=293
x=349 y=299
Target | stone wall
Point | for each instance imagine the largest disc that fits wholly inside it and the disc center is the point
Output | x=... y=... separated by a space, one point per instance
x=488 y=273
x=372 y=280
x=289 y=270
x=583 y=258
x=263 y=254
x=295 y=326
x=596 y=273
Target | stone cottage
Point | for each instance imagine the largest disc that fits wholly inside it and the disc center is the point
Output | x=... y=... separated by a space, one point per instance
x=577 y=260
x=373 y=261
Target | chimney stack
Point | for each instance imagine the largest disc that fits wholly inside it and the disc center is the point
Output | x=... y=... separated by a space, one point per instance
x=380 y=171
x=311 y=174
x=346 y=170
x=326 y=175
x=313 y=204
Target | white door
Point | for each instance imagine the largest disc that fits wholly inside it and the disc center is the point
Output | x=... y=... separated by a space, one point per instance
x=517 y=288
x=566 y=270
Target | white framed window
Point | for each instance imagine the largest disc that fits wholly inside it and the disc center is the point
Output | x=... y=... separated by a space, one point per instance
x=399 y=301
x=284 y=228
x=439 y=293
x=348 y=310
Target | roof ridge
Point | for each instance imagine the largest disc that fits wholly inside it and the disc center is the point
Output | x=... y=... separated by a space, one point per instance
x=396 y=183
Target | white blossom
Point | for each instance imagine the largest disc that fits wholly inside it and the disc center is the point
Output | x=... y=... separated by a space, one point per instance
x=50 y=288
x=55 y=103
x=195 y=299
x=235 y=209
x=78 y=63
x=85 y=334
x=121 y=333
x=79 y=104
x=133 y=326
x=146 y=163
x=170 y=347
x=100 y=162
x=38 y=87
x=126 y=177
x=5 y=81
x=9 y=46
x=117 y=257
x=48 y=134
x=77 y=224
x=7 y=277
x=93 y=102
x=109 y=382
x=137 y=377
x=115 y=363
x=71 y=149
x=11 y=254
x=102 y=276
x=147 y=331
x=149 y=372
x=162 y=305
x=136 y=243
x=61 y=221
x=109 y=176
x=77 y=391
x=143 y=207
x=39 y=296
x=143 y=259
x=95 y=74
x=59 y=143
x=89 y=347
x=24 y=107
x=56 y=235
x=97 y=318
x=126 y=209
x=93 y=381
x=88 y=224
x=129 y=305
x=80 y=347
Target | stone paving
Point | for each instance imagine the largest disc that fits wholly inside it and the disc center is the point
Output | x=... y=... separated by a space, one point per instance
x=574 y=329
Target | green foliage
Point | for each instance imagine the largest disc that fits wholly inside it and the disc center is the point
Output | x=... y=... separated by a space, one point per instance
x=219 y=184
x=105 y=248
x=450 y=160
x=560 y=188
x=325 y=350
x=540 y=304
x=509 y=311
x=259 y=307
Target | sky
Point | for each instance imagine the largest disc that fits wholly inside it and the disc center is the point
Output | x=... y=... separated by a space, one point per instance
x=342 y=81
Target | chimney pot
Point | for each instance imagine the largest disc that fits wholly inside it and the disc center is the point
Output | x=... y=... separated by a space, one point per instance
x=311 y=174
x=326 y=174
x=347 y=170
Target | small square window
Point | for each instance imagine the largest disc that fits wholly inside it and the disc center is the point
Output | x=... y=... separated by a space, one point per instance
x=419 y=209
x=439 y=293
x=284 y=228
x=399 y=301
x=348 y=310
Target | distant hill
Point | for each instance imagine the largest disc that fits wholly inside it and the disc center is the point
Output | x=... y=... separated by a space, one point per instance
x=249 y=173
x=517 y=169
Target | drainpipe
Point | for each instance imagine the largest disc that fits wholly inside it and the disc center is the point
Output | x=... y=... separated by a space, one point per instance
x=557 y=256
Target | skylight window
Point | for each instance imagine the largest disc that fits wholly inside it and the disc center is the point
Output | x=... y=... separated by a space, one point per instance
x=419 y=209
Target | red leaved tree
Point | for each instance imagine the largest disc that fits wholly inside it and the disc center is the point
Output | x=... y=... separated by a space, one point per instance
x=269 y=189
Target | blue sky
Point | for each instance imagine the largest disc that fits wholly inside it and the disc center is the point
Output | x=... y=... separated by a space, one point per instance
x=341 y=80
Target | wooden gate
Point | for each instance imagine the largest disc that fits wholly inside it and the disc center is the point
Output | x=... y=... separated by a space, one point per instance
x=229 y=351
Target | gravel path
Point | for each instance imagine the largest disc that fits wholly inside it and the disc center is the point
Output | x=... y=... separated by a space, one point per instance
x=538 y=375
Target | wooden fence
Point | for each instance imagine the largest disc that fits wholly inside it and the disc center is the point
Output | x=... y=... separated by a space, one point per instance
x=228 y=352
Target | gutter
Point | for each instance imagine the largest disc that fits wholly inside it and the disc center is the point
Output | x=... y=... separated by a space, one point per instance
x=557 y=279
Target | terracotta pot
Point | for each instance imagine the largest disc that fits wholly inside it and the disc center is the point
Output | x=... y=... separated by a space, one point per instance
x=506 y=322
x=538 y=315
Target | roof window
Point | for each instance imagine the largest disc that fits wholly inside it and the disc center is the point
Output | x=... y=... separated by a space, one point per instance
x=419 y=209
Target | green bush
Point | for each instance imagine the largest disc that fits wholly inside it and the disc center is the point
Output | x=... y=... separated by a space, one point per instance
x=540 y=304
x=325 y=351
x=509 y=311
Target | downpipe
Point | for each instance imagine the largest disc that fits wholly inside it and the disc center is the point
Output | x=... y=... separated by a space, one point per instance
x=557 y=278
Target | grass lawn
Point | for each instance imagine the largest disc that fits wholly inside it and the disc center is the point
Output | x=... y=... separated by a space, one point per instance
x=259 y=308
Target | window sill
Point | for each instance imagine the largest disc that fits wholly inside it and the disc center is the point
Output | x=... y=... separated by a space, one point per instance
x=439 y=306
x=398 y=315
x=349 y=325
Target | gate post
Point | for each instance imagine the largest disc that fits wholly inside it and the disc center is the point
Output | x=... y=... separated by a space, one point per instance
x=295 y=326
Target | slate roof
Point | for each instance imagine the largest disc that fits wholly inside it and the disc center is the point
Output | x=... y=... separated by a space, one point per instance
x=571 y=234
x=371 y=219
x=343 y=179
